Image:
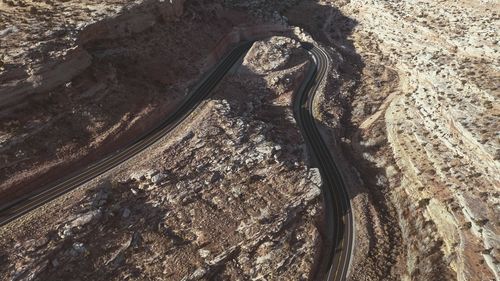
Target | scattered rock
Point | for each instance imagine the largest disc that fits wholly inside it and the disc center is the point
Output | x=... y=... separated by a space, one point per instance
x=86 y=218
x=158 y=178
x=204 y=253
x=126 y=213
x=78 y=249
x=102 y=195
x=314 y=176
x=196 y=275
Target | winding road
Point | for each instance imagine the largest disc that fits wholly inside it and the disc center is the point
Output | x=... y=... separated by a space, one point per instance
x=338 y=233
x=339 y=227
x=45 y=194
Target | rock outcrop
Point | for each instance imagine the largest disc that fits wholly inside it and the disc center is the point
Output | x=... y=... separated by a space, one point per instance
x=228 y=193
x=413 y=106
x=25 y=71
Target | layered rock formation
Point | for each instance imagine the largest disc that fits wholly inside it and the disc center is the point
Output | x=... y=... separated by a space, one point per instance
x=410 y=107
x=44 y=41
x=227 y=195
x=416 y=112
x=95 y=84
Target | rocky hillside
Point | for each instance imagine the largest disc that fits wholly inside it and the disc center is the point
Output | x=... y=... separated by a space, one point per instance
x=416 y=107
x=91 y=80
x=44 y=41
x=410 y=109
x=228 y=194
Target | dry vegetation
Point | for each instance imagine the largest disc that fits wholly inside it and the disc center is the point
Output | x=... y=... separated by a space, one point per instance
x=411 y=107
x=94 y=86
x=417 y=101
x=227 y=194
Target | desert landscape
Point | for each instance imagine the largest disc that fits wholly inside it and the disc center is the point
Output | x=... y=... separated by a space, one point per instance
x=409 y=111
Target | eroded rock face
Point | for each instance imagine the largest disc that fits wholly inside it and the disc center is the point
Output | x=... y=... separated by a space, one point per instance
x=45 y=49
x=271 y=55
x=18 y=84
x=81 y=91
x=228 y=193
x=263 y=8
x=417 y=81
x=135 y=20
x=439 y=128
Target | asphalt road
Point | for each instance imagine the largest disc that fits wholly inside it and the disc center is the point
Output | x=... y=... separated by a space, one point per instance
x=45 y=194
x=339 y=230
x=338 y=238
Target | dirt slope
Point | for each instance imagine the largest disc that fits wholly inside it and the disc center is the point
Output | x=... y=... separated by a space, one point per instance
x=411 y=109
x=85 y=92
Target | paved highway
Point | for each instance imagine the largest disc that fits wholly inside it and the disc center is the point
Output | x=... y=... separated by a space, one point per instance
x=339 y=229
x=47 y=193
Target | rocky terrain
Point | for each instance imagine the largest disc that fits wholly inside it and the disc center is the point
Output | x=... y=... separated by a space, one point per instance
x=227 y=194
x=410 y=110
x=416 y=111
x=88 y=85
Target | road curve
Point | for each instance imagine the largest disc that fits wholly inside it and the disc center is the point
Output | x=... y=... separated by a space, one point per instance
x=338 y=238
x=339 y=227
x=24 y=205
